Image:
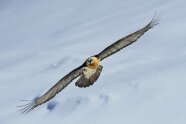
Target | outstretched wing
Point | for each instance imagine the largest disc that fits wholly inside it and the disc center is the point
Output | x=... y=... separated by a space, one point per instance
x=60 y=85
x=88 y=78
x=120 y=44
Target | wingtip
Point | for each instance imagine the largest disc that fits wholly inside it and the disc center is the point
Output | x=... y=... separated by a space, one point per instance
x=26 y=108
x=155 y=20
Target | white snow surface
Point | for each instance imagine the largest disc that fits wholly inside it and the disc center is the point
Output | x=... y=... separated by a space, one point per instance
x=43 y=40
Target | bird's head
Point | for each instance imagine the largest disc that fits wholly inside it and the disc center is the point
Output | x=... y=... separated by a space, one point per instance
x=92 y=62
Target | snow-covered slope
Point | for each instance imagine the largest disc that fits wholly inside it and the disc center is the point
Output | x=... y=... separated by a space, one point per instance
x=42 y=40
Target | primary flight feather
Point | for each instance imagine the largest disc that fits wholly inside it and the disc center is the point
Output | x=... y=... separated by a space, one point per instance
x=90 y=70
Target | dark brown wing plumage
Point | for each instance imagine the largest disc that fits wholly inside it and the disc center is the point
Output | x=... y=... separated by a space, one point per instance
x=60 y=85
x=84 y=82
x=120 y=44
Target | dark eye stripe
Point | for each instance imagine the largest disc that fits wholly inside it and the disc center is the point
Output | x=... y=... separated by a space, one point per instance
x=90 y=60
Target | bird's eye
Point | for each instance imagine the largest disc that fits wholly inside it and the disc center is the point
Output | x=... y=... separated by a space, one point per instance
x=90 y=60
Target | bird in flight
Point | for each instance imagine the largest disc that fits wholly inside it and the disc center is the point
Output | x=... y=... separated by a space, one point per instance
x=90 y=70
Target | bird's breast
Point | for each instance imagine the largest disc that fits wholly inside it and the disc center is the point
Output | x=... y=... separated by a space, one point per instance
x=88 y=72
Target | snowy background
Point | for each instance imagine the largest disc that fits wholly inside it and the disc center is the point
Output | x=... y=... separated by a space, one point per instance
x=43 y=40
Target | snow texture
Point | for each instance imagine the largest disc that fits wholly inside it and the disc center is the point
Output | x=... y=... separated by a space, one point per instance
x=42 y=40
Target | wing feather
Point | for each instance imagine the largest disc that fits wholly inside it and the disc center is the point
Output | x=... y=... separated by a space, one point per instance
x=60 y=85
x=120 y=44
